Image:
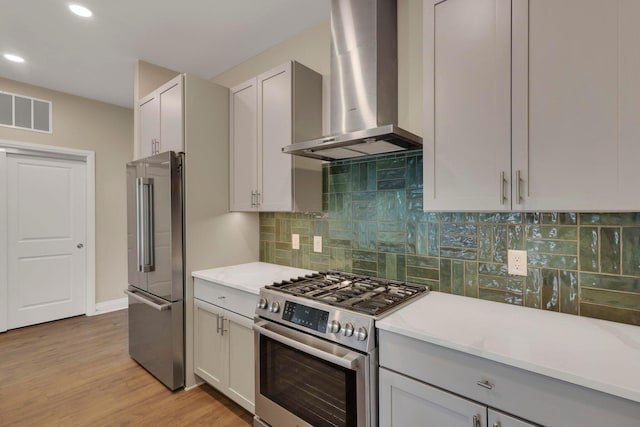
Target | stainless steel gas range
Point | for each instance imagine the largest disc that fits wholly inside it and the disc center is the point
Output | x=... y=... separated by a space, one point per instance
x=316 y=350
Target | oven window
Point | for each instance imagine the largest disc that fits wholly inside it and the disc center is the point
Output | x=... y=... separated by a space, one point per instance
x=317 y=391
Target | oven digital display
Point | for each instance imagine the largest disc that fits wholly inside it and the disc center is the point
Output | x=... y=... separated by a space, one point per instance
x=309 y=317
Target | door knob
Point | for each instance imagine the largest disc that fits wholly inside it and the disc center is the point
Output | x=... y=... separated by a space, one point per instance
x=79 y=246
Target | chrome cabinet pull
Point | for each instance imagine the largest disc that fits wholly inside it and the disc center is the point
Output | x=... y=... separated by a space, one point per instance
x=503 y=182
x=476 y=421
x=218 y=327
x=486 y=384
x=255 y=198
x=518 y=187
x=223 y=330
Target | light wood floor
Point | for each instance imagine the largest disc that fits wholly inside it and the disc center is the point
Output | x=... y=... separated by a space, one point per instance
x=77 y=372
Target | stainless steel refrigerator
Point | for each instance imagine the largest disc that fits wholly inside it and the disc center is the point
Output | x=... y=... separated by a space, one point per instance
x=156 y=266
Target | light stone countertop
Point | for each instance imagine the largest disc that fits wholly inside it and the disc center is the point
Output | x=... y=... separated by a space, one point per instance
x=593 y=353
x=250 y=277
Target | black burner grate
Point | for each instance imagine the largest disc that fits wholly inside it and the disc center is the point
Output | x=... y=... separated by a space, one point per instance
x=368 y=295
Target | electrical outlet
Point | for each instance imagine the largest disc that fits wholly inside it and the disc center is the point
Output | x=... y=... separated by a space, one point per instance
x=517 y=262
x=295 y=241
x=317 y=243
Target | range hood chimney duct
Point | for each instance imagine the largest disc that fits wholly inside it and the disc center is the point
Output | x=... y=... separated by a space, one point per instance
x=364 y=85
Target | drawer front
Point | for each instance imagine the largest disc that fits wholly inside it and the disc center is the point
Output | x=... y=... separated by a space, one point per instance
x=528 y=395
x=240 y=302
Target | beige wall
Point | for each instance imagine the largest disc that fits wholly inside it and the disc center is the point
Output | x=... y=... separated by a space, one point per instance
x=312 y=48
x=107 y=130
x=148 y=77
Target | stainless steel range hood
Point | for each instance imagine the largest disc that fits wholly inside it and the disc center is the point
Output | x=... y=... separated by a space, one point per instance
x=364 y=85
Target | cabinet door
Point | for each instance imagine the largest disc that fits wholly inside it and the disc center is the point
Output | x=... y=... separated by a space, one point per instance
x=576 y=77
x=498 y=419
x=407 y=402
x=210 y=346
x=171 y=117
x=467 y=80
x=241 y=367
x=149 y=125
x=243 y=149
x=274 y=132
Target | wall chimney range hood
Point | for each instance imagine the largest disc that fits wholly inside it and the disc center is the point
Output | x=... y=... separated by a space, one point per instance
x=364 y=85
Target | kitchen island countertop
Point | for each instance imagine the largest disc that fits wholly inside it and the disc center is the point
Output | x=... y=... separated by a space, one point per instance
x=593 y=353
x=250 y=277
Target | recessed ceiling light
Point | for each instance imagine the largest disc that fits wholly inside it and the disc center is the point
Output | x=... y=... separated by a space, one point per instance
x=14 y=58
x=80 y=10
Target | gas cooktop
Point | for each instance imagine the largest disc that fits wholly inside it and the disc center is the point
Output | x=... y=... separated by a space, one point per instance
x=363 y=294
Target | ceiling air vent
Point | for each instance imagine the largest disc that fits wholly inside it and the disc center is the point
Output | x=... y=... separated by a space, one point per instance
x=23 y=112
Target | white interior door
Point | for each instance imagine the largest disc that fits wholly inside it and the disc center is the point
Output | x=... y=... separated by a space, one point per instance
x=46 y=263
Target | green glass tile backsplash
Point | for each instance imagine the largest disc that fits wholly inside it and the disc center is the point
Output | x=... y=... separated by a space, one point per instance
x=373 y=224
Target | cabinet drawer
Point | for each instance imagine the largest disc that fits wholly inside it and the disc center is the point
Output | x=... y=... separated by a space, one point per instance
x=532 y=396
x=240 y=302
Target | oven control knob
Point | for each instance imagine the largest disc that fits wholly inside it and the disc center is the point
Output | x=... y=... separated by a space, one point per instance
x=262 y=303
x=274 y=307
x=361 y=334
x=347 y=331
x=334 y=326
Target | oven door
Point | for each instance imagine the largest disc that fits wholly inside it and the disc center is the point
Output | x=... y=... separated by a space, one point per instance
x=302 y=380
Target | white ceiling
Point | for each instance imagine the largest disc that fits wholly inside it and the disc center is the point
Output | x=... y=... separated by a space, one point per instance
x=94 y=57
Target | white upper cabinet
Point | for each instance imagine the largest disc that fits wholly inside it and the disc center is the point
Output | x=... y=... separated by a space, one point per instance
x=243 y=133
x=274 y=132
x=149 y=125
x=576 y=103
x=544 y=93
x=268 y=112
x=162 y=119
x=467 y=140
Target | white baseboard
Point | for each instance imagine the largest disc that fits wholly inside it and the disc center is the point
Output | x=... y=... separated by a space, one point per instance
x=196 y=385
x=111 y=305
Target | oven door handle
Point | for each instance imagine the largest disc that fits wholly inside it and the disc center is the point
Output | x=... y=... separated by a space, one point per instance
x=348 y=361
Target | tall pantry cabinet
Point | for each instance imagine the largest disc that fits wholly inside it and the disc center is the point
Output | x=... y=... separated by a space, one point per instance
x=275 y=109
x=531 y=105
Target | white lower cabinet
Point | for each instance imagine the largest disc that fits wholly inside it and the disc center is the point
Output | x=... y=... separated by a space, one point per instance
x=498 y=419
x=224 y=355
x=408 y=402
x=425 y=384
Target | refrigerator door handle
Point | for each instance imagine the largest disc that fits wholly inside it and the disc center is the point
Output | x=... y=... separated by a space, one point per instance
x=151 y=266
x=144 y=218
x=140 y=223
x=159 y=307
